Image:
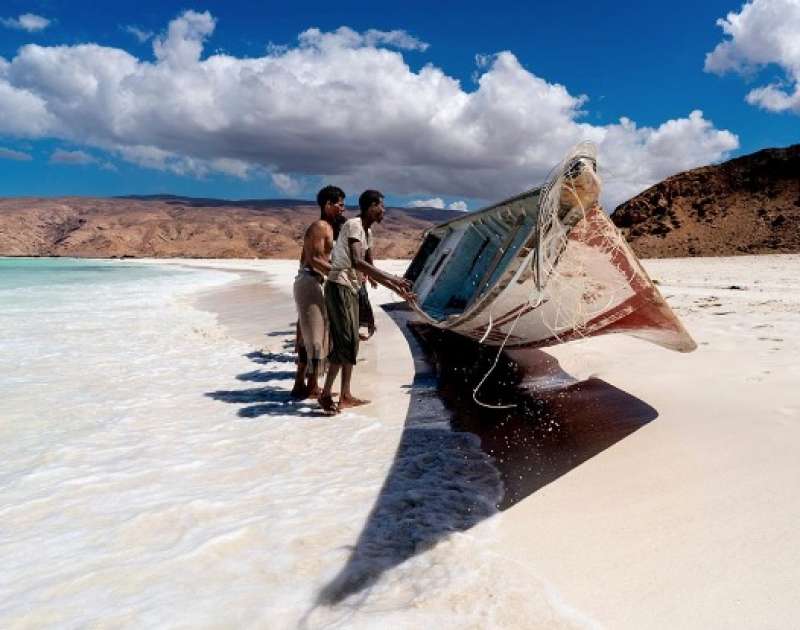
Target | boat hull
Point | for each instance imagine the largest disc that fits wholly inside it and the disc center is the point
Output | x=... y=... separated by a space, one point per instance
x=598 y=287
x=541 y=268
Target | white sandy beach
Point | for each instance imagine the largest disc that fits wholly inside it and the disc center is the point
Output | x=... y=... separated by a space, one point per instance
x=689 y=522
x=209 y=500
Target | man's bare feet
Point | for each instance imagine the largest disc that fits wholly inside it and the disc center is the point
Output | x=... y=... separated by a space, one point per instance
x=351 y=401
x=329 y=407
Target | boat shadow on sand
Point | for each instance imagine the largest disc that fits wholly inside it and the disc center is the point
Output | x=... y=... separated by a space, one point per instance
x=447 y=476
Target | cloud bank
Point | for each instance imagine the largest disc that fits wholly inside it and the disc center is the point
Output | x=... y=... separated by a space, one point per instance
x=764 y=32
x=339 y=106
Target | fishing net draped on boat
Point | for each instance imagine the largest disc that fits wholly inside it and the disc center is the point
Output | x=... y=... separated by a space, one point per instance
x=541 y=268
x=571 y=191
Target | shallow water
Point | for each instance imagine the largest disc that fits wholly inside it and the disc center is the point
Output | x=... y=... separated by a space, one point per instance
x=153 y=472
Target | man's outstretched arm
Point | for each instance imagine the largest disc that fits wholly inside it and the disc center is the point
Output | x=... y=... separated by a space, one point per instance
x=399 y=285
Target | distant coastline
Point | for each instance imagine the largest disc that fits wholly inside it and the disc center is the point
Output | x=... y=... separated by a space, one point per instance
x=165 y=226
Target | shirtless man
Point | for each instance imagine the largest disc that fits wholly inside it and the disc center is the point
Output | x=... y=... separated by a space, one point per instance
x=313 y=337
x=348 y=259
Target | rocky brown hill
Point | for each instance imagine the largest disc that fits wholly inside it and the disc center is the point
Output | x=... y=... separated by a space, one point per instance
x=748 y=205
x=165 y=226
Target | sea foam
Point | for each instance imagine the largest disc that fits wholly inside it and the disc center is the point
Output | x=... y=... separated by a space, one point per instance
x=153 y=472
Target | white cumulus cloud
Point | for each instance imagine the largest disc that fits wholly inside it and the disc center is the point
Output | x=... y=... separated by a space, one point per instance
x=436 y=202
x=79 y=158
x=26 y=22
x=341 y=106
x=61 y=156
x=633 y=158
x=764 y=32
x=182 y=45
x=396 y=38
x=11 y=154
x=229 y=166
x=286 y=184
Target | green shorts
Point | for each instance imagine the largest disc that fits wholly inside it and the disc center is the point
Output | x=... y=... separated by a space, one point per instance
x=342 y=306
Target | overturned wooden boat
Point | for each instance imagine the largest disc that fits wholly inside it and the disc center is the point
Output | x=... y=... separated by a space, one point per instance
x=541 y=268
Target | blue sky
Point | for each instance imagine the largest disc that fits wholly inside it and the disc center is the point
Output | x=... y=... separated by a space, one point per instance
x=573 y=72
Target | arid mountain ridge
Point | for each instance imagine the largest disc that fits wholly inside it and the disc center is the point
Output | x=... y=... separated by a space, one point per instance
x=163 y=226
x=747 y=205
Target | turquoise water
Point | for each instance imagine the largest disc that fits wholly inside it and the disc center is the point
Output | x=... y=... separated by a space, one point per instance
x=17 y=273
x=134 y=494
x=62 y=319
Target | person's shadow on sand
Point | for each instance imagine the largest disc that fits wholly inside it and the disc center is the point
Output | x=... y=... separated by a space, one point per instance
x=267 y=400
x=446 y=478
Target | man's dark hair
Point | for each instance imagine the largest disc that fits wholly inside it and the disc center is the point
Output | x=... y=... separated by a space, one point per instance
x=368 y=197
x=329 y=193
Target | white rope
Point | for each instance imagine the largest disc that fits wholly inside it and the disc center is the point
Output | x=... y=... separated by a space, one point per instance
x=489 y=327
x=549 y=204
x=491 y=369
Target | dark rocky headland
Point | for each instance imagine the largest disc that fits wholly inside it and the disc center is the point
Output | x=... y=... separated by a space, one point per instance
x=748 y=205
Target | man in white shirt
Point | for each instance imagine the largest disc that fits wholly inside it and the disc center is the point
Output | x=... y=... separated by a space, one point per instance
x=341 y=296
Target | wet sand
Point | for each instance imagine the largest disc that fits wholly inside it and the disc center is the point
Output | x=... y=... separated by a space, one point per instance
x=258 y=309
x=250 y=309
x=541 y=435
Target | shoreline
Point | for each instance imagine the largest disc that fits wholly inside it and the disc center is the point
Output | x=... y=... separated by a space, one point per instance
x=236 y=306
x=258 y=309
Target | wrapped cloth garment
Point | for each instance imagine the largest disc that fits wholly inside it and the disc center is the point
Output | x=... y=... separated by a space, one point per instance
x=312 y=320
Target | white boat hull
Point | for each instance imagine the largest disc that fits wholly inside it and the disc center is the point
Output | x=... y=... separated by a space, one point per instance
x=594 y=285
x=601 y=288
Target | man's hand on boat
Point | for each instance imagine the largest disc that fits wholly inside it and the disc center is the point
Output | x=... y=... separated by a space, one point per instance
x=399 y=285
x=403 y=287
